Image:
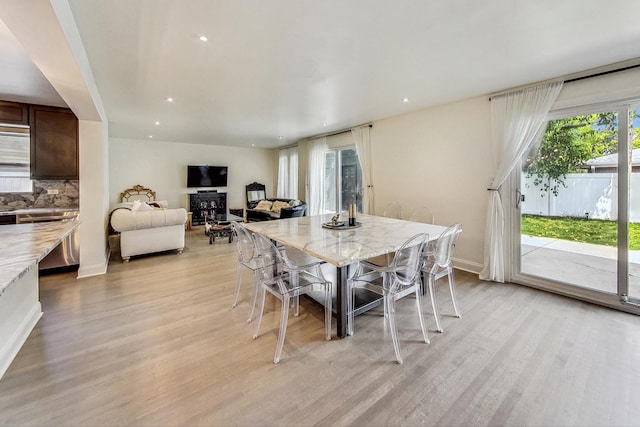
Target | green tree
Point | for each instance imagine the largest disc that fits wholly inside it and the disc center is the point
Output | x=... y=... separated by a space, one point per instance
x=567 y=144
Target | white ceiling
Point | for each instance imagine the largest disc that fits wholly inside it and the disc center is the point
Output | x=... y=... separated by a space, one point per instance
x=20 y=79
x=284 y=67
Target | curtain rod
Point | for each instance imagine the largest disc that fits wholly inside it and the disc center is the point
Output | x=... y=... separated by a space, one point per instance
x=603 y=73
x=583 y=75
x=323 y=135
x=338 y=132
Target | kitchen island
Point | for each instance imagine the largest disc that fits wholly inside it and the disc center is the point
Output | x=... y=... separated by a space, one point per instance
x=22 y=247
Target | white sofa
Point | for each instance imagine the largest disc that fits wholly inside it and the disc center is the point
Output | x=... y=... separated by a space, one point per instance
x=148 y=231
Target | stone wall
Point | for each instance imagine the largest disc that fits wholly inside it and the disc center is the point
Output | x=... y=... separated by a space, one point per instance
x=68 y=196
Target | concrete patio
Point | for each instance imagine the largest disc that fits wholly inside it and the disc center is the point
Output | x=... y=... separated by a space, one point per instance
x=582 y=264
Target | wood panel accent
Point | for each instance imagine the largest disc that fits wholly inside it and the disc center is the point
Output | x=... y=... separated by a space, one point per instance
x=54 y=143
x=14 y=113
x=155 y=342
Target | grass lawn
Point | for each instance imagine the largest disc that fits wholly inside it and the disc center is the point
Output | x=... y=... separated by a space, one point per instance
x=599 y=232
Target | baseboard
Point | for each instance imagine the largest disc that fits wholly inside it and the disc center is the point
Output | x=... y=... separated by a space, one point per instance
x=465 y=265
x=96 y=269
x=14 y=343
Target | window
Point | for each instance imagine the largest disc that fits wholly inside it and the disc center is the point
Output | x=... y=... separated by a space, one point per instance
x=14 y=160
x=343 y=180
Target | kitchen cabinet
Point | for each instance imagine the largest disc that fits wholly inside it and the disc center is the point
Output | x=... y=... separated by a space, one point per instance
x=54 y=143
x=14 y=113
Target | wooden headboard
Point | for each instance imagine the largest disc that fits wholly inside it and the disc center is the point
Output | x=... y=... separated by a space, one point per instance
x=138 y=192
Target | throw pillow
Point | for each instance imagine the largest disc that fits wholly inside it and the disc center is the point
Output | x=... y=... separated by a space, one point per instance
x=277 y=205
x=264 y=205
x=160 y=204
x=145 y=207
x=139 y=206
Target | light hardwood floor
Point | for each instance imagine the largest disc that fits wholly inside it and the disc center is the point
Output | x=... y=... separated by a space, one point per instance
x=155 y=342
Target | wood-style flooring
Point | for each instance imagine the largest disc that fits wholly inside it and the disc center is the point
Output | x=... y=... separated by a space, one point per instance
x=155 y=342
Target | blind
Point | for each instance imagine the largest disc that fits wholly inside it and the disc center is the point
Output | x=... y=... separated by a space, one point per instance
x=14 y=152
x=14 y=160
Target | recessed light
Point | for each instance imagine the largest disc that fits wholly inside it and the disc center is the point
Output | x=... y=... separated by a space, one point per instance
x=169 y=99
x=150 y=136
x=203 y=38
x=281 y=137
x=405 y=99
x=324 y=123
x=253 y=145
x=157 y=123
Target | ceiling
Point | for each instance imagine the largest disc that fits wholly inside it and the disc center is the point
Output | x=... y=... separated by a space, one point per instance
x=272 y=72
x=20 y=79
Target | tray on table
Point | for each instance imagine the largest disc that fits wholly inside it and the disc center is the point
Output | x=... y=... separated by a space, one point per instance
x=340 y=225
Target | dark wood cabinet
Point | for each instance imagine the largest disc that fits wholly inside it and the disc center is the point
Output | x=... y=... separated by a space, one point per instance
x=14 y=113
x=54 y=143
x=207 y=204
x=7 y=219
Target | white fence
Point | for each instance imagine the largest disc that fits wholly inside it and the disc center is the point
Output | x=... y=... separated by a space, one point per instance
x=593 y=195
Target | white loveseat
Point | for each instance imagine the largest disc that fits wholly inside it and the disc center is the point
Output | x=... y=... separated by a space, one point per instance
x=145 y=225
x=143 y=232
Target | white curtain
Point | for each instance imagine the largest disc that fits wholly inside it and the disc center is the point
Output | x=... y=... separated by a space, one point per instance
x=516 y=119
x=362 y=140
x=288 y=173
x=315 y=176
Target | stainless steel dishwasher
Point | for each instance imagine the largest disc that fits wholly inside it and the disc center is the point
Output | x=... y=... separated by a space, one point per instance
x=67 y=253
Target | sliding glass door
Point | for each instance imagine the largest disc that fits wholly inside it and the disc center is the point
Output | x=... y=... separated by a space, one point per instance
x=577 y=207
x=343 y=180
x=632 y=292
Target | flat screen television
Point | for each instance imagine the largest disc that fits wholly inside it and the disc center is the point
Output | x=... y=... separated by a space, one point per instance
x=206 y=176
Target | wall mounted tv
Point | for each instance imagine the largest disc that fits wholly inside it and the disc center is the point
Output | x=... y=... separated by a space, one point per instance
x=206 y=176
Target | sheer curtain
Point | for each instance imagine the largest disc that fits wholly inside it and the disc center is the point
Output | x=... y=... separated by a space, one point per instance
x=288 y=173
x=516 y=119
x=315 y=176
x=362 y=140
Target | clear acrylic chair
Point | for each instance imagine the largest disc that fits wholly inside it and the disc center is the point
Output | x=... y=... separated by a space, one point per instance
x=393 y=210
x=422 y=214
x=248 y=257
x=438 y=264
x=398 y=280
x=286 y=280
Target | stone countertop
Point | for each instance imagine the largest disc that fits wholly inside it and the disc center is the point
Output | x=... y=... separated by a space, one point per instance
x=23 y=245
x=36 y=211
x=376 y=236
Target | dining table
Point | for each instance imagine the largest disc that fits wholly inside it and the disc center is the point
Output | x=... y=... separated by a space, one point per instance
x=343 y=247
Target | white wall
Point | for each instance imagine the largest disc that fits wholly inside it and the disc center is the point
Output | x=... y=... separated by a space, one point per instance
x=94 y=164
x=442 y=158
x=162 y=166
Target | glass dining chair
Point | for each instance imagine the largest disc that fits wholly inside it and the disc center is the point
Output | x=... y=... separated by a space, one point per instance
x=285 y=279
x=249 y=258
x=422 y=214
x=438 y=264
x=396 y=281
x=393 y=210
